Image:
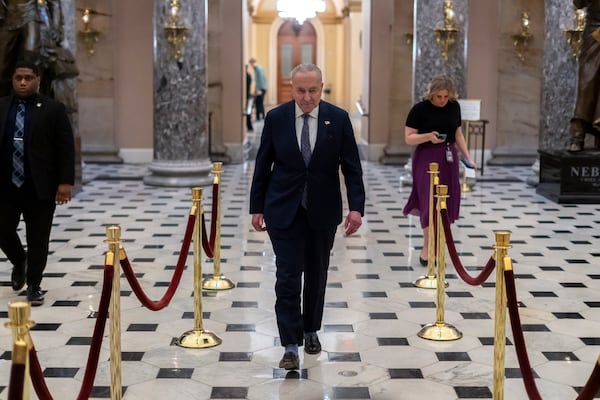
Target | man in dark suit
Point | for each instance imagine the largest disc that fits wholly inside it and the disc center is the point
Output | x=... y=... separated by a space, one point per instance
x=296 y=198
x=37 y=171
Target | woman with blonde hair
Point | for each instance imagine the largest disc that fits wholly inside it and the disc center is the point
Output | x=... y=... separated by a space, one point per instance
x=434 y=126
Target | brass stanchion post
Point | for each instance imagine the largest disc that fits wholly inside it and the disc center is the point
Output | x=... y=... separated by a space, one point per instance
x=465 y=187
x=113 y=238
x=218 y=281
x=503 y=262
x=20 y=324
x=198 y=338
x=440 y=330
x=429 y=281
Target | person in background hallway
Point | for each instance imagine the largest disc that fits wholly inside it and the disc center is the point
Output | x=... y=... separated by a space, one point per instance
x=249 y=100
x=260 y=88
x=434 y=125
x=37 y=158
x=296 y=197
x=586 y=118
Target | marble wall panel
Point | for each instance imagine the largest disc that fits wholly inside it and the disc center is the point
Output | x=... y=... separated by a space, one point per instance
x=519 y=82
x=560 y=76
x=180 y=86
x=428 y=61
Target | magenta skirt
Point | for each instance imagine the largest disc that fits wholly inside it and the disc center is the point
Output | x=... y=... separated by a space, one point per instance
x=418 y=201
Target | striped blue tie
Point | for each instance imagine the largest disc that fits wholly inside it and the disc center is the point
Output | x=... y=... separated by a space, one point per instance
x=18 y=175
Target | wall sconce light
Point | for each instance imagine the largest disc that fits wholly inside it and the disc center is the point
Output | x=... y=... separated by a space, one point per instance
x=446 y=36
x=89 y=36
x=176 y=32
x=575 y=35
x=521 y=39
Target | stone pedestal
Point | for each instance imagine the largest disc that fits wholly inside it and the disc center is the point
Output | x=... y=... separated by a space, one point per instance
x=570 y=178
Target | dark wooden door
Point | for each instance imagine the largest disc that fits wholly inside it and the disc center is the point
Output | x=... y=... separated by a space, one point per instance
x=296 y=44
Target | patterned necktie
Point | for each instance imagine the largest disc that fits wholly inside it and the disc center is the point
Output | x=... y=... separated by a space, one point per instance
x=306 y=153
x=305 y=141
x=18 y=175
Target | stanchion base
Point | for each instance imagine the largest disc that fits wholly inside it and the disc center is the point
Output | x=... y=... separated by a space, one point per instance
x=217 y=283
x=198 y=339
x=466 y=188
x=427 y=282
x=440 y=332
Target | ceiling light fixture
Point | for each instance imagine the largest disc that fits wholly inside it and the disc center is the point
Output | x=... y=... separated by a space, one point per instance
x=301 y=10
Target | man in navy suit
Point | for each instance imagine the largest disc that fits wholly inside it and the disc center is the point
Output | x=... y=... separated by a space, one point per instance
x=296 y=198
x=37 y=171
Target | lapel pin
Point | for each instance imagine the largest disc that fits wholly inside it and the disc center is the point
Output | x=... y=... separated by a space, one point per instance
x=327 y=122
x=38 y=105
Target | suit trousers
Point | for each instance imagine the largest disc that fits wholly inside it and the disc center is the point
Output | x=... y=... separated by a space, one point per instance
x=259 y=102
x=37 y=215
x=300 y=249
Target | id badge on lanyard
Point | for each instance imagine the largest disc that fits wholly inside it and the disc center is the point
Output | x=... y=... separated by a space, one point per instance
x=449 y=156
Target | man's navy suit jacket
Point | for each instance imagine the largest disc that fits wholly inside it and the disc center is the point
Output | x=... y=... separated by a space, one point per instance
x=49 y=144
x=280 y=174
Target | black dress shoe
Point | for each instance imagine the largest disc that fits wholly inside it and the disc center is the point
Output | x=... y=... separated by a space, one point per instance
x=18 y=276
x=35 y=296
x=312 y=344
x=423 y=261
x=289 y=361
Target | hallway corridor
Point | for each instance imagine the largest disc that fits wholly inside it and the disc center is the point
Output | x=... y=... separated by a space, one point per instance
x=373 y=313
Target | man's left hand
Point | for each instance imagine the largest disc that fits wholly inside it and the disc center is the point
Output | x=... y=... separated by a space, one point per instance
x=352 y=223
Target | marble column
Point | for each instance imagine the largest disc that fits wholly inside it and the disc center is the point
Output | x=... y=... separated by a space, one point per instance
x=428 y=60
x=559 y=85
x=69 y=85
x=181 y=138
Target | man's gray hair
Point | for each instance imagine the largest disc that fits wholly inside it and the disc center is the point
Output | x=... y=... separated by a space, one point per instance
x=307 y=68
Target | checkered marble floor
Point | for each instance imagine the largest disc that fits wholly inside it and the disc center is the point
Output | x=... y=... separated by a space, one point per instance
x=373 y=313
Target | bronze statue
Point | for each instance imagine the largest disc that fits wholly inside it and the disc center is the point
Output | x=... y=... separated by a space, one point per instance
x=586 y=118
x=31 y=30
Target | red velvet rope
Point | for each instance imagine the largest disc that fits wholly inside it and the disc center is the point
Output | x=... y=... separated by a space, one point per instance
x=17 y=380
x=515 y=322
x=460 y=269
x=209 y=247
x=166 y=299
x=94 y=354
x=37 y=376
x=592 y=386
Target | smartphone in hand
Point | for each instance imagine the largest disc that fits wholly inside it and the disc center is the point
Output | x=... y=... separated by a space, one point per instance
x=466 y=164
x=442 y=136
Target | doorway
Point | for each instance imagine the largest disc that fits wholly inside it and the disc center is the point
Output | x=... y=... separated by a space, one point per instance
x=296 y=44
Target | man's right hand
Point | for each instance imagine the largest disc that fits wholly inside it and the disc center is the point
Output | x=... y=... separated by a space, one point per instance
x=258 y=222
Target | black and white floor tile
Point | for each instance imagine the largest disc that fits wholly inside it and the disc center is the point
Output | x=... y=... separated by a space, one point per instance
x=373 y=313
